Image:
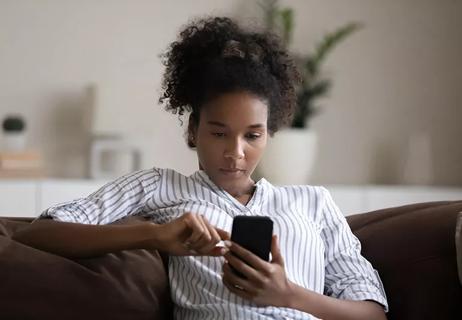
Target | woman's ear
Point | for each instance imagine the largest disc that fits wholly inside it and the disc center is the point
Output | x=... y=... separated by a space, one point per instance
x=192 y=131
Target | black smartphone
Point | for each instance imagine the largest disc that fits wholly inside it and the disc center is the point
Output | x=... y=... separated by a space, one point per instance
x=253 y=233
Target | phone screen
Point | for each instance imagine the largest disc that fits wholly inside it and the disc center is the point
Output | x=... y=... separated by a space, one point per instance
x=254 y=234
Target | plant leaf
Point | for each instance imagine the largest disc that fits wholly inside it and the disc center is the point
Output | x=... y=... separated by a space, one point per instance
x=331 y=39
x=320 y=88
x=287 y=22
x=270 y=10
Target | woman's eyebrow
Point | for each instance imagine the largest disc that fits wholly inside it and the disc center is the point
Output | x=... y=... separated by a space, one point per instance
x=216 y=123
x=220 y=124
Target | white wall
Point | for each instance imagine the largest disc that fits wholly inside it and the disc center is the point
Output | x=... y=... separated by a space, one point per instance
x=400 y=74
x=51 y=51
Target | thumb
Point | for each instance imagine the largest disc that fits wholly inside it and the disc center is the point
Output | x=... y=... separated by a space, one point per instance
x=223 y=234
x=275 y=252
x=217 y=252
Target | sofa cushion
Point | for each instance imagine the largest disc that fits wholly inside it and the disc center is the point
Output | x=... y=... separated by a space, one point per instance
x=38 y=285
x=413 y=249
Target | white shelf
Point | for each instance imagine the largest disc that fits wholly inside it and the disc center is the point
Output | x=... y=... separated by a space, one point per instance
x=27 y=198
x=380 y=197
x=358 y=199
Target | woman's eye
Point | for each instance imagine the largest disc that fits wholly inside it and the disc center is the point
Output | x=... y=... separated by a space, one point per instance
x=218 y=134
x=253 y=136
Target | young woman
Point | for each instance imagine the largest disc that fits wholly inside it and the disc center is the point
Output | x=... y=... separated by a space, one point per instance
x=238 y=88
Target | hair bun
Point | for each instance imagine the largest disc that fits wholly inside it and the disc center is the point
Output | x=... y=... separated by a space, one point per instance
x=233 y=49
x=236 y=49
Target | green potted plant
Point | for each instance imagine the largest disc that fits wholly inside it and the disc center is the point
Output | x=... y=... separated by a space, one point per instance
x=291 y=152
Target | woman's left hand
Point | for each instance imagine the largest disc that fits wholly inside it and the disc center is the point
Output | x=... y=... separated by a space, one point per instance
x=265 y=284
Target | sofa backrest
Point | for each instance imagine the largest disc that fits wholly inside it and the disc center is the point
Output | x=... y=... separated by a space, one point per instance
x=413 y=248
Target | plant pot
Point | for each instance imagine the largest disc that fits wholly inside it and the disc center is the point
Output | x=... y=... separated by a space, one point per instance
x=14 y=141
x=289 y=157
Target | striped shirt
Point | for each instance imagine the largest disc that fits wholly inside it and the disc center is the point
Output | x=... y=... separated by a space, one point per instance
x=320 y=252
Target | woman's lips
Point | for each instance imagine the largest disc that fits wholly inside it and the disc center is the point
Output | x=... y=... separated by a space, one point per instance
x=231 y=172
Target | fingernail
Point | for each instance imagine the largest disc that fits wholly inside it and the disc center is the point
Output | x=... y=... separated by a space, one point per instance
x=227 y=243
x=193 y=251
x=223 y=251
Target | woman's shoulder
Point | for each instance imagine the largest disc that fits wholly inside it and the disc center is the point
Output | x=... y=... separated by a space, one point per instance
x=145 y=178
x=152 y=171
x=312 y=191
x=316 y=195
x=164 y=176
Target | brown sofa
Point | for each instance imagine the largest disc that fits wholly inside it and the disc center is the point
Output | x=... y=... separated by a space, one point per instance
x=413 y=248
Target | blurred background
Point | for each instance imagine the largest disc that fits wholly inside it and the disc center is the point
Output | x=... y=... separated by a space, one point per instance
x=76 y=70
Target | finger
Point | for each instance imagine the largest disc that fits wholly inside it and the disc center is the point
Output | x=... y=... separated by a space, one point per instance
x=197 y=228
x=236 y=284
x=216 y=252
x=224 y=235
x=235 y=279
x=237 y=291
x=197 y=224
x=276 y=252
x=247 y=256
x=197 y=231
x=213 y=232
x=246 y=270
x=206 y=237
x=206 y=243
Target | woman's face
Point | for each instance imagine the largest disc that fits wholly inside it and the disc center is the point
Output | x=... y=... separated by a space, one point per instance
x=230 y=139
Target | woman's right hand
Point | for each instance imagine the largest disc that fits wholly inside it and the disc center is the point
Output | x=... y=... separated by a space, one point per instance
x=190 y=234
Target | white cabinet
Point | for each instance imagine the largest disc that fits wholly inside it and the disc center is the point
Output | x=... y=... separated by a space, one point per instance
x=18 y=198
x=28 y=198
x=349 y=199
x=53 y=192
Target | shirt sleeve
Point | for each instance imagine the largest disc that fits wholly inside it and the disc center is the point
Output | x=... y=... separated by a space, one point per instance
x=122 y=197
x=349 y=275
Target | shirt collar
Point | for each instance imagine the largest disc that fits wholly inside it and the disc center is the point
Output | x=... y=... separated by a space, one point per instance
x=256 y=200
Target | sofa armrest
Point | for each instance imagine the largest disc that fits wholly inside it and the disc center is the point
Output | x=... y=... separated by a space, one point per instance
x=414 y=251
x=459 y=245
x=131 y=284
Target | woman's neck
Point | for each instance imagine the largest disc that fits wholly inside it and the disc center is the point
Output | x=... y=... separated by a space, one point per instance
x=244 y=199
x=243 y=195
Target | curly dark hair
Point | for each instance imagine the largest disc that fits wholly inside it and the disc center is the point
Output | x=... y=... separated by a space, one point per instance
x=214 y=56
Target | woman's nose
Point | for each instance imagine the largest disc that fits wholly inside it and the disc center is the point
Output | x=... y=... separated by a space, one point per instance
x=234 y=149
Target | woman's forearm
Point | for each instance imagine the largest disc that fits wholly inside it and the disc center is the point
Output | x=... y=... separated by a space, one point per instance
x=81 y=241
x=329 y=308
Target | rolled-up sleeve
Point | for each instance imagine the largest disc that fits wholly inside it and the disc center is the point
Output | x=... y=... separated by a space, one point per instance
x=349 y=275
x=122 y=197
